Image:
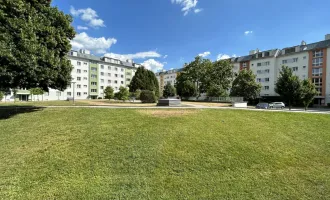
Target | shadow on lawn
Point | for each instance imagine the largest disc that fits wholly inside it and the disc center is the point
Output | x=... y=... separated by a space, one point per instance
x=7 y=112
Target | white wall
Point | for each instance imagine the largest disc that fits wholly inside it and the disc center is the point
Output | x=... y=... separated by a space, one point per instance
x=302 y=64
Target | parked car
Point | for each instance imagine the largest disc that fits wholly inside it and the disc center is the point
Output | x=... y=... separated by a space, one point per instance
x=262 y=106
x=277 y=105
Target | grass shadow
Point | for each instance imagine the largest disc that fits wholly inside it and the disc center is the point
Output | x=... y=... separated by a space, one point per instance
x=7 y=112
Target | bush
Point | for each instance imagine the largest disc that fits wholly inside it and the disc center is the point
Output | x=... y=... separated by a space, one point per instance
x=328 y=104
x=99 y=98
x=147 y=96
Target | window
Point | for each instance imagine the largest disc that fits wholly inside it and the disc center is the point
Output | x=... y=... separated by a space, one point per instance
x=93 y=83
x=122 y=82
x=94 y=76
x=267 y=71
x=295 y=59
x=94 y=90
x=78 y=94
x=267 y=54
x=109 y=68
x=109 y=81
x=102 y=66
x=94 y=69
x=58 y=93
x=266 y=79
x=116 y=69
x=304 y=67
x=79 y=63
x=319 y=90
x=85 y=78
x=102 y=87
x=317 y=72
x=266 y=88
x=68 y=94
x=259 y=72
x=122 y=69
x=128 y=79
x=294 y=69
x=258 y=80
x=116 y=82
x=317 y=54
x=317 y=82
x=284 y=61
x=85 y=63
x=109 y=74
x=85 y=93
x=122 y=76
x=102 y=73
x=116 y=75
x=244 y=64
x=128 y=73
x=78 y=78
x=317 y=62
x=304 y=57
x=79 y=86
x=85 y=71
x=85 y=86
x=78 y=71
x=102 y=80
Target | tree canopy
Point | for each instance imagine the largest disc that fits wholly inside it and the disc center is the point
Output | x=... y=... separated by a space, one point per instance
x=308 y=92
x=108 y=92
x=185 y=87
x=34 y=41
x=123 y=93
x=144 y=80
x=169 y=91
x=288 y=86
x=245 y=85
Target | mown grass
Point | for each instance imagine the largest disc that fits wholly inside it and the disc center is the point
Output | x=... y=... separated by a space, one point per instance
x=44 y=103
x=86 y=153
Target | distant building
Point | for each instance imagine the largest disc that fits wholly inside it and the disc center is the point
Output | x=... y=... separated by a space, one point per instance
x=166 y=77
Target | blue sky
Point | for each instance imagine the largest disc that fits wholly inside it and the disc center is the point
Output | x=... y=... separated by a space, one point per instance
x=164 y=34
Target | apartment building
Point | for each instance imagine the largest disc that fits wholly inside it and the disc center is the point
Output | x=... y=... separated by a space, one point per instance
x=308 y=61
x=90 y=76
x=166 y=77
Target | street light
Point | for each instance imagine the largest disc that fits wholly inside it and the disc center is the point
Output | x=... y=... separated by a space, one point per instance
x=73 y=90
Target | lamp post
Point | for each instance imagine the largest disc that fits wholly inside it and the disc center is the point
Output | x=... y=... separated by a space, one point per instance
x=73 y=90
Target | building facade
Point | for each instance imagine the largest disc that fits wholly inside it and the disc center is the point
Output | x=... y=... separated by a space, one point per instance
x=308 y=61
x=167 y=77
x=90 y=76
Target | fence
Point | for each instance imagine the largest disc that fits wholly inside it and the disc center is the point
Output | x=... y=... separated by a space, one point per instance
x=217 y=99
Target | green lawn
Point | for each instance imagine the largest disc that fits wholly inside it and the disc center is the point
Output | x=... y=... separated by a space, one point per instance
x=92 y=153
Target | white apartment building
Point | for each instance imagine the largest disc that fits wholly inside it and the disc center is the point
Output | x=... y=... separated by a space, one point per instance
x=306 y=60
x=166 y=77
x=90 y=76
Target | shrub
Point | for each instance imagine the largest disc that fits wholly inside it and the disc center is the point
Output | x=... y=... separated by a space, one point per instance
x=99 y=98
x=147 y=96
x=328 y=104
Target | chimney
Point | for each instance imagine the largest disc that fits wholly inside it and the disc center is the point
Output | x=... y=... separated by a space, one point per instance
x=327 y=37
x=303 y=43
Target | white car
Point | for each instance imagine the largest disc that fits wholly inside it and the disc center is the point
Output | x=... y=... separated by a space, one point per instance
x=276 y=105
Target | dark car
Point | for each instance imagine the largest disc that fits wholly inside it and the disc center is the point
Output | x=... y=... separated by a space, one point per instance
x=262 y=106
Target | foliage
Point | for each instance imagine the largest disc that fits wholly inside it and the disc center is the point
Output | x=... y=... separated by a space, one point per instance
x=1 y=95
x=245 y=85
x=185 y=87
x=148 y=96
x=34 y=40
x=137 y=94
x=36 y=91
x=123 y=93
x=219 y=78
x=328 y=104
x=108 y=92
x=144 y=80
x=169 y=90
x=288 y=86
x=308 y=92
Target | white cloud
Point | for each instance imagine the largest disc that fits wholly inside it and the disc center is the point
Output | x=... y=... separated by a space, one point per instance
x=165 y=56
x=153 y=65
x=97 y=45
x=205 y=54
x=198 y=10
x=139 y=55
x=248 y=32
x=82 y=28
x=88 y=15
x=187 y=5
x=225 y=56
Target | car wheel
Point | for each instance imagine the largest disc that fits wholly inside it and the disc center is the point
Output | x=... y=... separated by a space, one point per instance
x=282 y=107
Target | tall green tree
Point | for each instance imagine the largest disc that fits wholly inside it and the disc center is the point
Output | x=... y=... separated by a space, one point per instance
x=288 y=86
x=144 y=80
x=219 y=78
x=108 y=91
x=308 y=92
x=123 y=93
x=245 y=86
x=184 y=86
x=34 y=41
x=197 y=72
x=36 y=92
x=169 y=90
x=1 y=95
